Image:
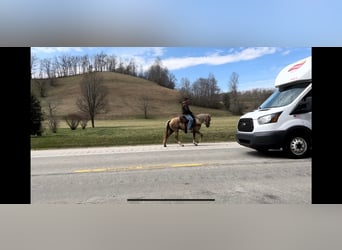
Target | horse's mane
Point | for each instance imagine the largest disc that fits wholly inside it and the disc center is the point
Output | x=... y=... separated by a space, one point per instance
x=202 y=116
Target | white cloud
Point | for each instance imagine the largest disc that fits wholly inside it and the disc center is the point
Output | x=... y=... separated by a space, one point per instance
x=52 y=50
x=217 y=59
x=158 y=51
x=286 y=52
x=146 y=56
x=129 y=52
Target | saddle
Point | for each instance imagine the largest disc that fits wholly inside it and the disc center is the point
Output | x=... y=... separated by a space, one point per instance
x=184 y=120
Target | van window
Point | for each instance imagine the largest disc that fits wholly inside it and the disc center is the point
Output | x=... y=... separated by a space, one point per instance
x=283 y=96
x=305 y=105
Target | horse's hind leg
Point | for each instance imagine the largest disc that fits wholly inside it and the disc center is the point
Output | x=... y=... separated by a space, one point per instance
x=177 y=139
x=166 y=136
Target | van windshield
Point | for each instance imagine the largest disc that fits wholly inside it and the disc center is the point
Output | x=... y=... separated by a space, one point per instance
x=283 y=96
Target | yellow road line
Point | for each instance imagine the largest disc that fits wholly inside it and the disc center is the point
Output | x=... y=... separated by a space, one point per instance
x=117 y=169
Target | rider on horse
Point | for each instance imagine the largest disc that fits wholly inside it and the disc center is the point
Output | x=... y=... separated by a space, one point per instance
x=188 y=114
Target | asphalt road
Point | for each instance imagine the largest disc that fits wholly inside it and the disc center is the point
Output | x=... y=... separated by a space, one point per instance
x=215 y=173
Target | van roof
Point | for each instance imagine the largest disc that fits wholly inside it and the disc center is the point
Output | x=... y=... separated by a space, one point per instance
x=297 y=71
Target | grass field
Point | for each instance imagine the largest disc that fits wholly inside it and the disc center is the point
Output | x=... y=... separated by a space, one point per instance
x=129 y=132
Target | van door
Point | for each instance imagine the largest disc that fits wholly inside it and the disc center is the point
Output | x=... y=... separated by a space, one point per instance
x=305 y=105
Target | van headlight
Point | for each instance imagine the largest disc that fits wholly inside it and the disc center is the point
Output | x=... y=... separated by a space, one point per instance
x=271 y=118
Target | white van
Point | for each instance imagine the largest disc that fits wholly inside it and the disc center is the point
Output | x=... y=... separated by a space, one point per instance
x=283 y=121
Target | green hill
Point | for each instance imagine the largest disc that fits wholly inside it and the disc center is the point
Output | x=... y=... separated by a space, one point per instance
x=126 y=97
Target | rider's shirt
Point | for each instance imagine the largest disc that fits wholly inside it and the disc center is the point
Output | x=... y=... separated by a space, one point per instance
x=186 y=110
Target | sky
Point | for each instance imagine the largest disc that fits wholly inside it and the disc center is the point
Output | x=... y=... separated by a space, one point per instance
x=212 y=34
x=257 y=67
x=223 y=23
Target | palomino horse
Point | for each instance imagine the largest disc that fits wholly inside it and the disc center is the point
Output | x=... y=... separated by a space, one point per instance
x=179 y=123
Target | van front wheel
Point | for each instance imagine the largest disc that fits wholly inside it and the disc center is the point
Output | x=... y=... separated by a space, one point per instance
x=297 y=146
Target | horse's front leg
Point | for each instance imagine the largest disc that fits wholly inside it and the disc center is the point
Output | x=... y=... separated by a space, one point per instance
x=194 y=138
x=177 y=139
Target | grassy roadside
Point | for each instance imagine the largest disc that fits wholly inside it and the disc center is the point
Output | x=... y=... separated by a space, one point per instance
x=125 y=132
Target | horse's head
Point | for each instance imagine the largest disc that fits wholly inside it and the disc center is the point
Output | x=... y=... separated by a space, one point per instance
x=207 y=121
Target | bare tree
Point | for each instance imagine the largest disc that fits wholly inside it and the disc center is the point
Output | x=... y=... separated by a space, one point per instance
x=83 y=122
x=46 y=67
x=72 y=120
x=42 y=86
x=146 y=105
x=51 y=117
x=74 y=63
x=34 y=59
x=185 y=87
x=93 y=98
x=206 y=92
x=57 y=67
x=159 y=74
x=236 y=107
x=121 y=66
x=213 y=92
x=132 y=68
x=64 y=64
x=85 y=63
x=112 y=63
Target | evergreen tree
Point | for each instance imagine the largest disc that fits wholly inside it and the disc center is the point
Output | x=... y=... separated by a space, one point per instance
x=36 y=116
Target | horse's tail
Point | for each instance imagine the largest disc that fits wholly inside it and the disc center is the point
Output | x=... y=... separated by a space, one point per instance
x=167 y=127
x=166 y=135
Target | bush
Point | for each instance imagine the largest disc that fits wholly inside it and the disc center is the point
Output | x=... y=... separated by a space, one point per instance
x=73 y=120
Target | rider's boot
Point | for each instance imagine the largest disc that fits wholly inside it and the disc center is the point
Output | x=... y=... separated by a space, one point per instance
x=193 y=123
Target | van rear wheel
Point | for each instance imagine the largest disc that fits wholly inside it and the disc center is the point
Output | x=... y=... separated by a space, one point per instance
x=297 y=146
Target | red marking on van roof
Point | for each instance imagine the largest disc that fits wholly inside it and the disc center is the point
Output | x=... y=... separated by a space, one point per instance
x=297 y=66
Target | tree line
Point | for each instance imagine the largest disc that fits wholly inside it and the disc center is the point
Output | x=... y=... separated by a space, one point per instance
x=205 y=92
x=67 y=65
